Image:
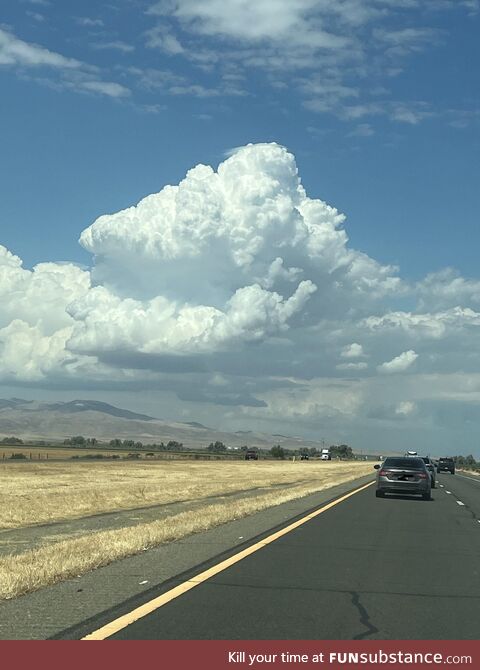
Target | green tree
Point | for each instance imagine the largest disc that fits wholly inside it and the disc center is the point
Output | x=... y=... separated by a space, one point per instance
x=78 y=441
x=11 y=440
x=173 y=445
x=341 y=451
x=216 y=448
x=278 y=452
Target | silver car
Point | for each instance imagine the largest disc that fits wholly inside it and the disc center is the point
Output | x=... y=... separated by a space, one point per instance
x=431 y=468
x=403 y=475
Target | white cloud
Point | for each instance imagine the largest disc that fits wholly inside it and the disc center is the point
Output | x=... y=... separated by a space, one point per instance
x=105 y=322
x=235 y=288
x=424 y=325
x=352 y=366
x=34 y=324
x=325 y=52
x=250 y=219
x=36 y=16
x=353 y=350
x=14 y=51
x=405 y=408
x=399 y=363
x=226 y=259
x=116 y=45
x=447 y=289
x=71 y=73
x=109 y=88
x=161 y=38
x=272 y=19
x=88 y=21
x=362 y=130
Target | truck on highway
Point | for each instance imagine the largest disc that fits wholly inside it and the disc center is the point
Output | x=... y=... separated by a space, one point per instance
x=325 y=455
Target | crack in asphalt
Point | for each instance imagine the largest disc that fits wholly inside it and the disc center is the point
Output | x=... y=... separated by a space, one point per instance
x=364 y=618
x=470 y=511
x=322 y=589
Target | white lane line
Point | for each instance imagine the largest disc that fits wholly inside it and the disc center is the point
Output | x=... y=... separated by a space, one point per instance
x=459 y=502
x=442 y=486
x=449 y=492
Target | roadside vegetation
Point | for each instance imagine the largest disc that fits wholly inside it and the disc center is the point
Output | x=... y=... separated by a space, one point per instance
x=55 y=491
x=33 y=493
x=467 y=463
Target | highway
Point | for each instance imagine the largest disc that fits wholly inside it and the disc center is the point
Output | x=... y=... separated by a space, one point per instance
x=366 y=568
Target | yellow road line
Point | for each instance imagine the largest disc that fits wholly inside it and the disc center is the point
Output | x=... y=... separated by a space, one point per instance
x=147 y=608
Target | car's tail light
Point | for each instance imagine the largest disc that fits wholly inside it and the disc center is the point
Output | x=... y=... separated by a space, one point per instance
x=423 y=475
x=384 y=473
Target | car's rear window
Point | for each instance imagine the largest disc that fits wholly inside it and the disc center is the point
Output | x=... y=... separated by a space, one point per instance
x=425 y=459
x=412 y=463
x=445 y=460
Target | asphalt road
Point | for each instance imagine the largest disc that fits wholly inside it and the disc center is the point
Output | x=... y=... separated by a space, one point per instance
x=368 y=568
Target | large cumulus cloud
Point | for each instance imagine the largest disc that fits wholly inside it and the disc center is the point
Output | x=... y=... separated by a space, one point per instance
x=232 y=255
x=236 y=288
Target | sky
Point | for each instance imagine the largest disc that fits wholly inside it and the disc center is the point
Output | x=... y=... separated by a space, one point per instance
x=260 y=216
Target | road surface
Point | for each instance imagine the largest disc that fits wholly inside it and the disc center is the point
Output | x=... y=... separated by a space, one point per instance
x=367 y=568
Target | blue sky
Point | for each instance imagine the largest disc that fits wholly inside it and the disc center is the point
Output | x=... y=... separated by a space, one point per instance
x=105 y=103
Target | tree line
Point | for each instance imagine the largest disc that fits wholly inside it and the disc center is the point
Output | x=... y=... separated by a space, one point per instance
x=342 y=451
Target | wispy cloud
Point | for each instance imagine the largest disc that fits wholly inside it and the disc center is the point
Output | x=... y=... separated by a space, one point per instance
x=14 y=51
x=116 y=45
x=35 y=16
x=362 y=130
x=161 y=38
x=108 y=88
x=88 y=22
x=338 y=48
x=70 y=73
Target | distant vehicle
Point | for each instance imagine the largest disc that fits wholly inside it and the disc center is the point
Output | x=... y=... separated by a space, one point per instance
x=446 y=464
x=431 y=468
x=411 y=453
x=325 y=455
x=251 y=455
x=304 y=457
x=403 y=475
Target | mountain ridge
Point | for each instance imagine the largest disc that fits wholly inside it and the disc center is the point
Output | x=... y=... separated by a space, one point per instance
x=56 y=421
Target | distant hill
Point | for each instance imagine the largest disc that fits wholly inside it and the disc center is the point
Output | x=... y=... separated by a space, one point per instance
x=32 y=420
x=96 y=406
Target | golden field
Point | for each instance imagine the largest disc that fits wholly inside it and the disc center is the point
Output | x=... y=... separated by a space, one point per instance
x=41 y=492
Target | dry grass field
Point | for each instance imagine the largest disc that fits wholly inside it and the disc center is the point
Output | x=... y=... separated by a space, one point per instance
x=32 y=492
x=42 y=492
